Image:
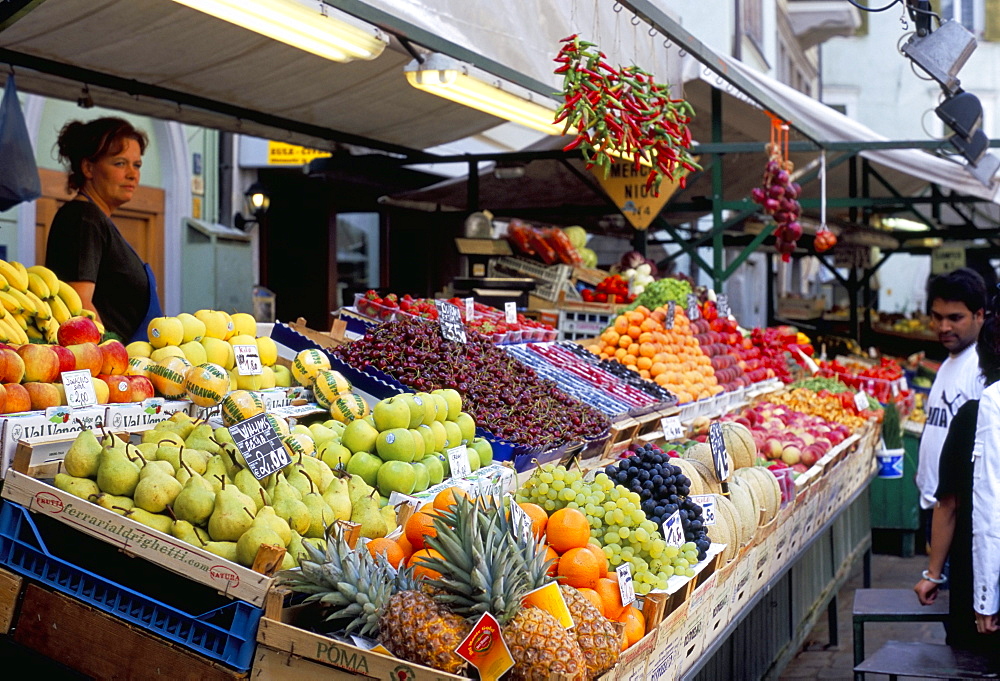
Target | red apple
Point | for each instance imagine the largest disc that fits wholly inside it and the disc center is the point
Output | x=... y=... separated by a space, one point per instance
x=42 y=395
x=76 y=330
x=67 y=360
x=3 y=399
x=18 y=399
x=40 y=363
x=118 y=388
x=13 y=366
x=88 y=356
x=140 y=388
x=115 y=357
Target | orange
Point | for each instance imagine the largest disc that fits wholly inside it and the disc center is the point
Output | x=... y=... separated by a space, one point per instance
x=599 y=554
x=567 y=528
x=447 y=497
x=611 y=597
x=635 y=317
x=594 y=598
x=419 y=570
x=552 y=558
x=635 y=625
x=579 y=568
x=624 y=341
x=644 y=362
x=393 y=551
x=539 y=518
x=647 y=349
x=634 y=331
x=405 y=546
x=418 y=526
x=633 y=349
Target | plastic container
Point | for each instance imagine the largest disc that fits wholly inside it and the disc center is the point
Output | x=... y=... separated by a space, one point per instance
x=890 y=463
x=226 y=633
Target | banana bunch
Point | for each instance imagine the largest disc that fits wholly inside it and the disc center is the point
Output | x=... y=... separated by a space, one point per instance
x=33 y=303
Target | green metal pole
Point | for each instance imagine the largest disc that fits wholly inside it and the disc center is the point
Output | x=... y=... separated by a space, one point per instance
x=717 y=248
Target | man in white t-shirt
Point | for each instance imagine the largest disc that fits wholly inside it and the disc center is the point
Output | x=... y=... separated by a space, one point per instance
x=957 y=302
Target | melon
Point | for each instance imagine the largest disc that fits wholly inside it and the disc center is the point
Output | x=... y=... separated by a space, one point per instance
x=739 y=444
x=307 y=364
x=349 y=407
x=299 y=444
x=709 y=485
x=239 y=405
x=702 y=453
x=748 y=515
x=756 y=493
x=692 y=474
x=167 y=376
x=139 y=366
x=767 y=484
x=328 y=385
x=725 y=531
x=206 y=384
x=279 y=424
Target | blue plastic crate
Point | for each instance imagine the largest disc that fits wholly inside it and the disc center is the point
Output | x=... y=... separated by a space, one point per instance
x=226 y=634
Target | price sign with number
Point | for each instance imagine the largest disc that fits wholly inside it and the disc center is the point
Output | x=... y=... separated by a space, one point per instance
x=707 y=503
x=861 y=400
x=450 y=319
x=260 y=446
x=718 y=444
x=693 y=312
x=722 y=305
x=79 y=388
x=470 y=309
x=510 y=312
x=625 y=586
x=673 y=530
x=672 y=428
x=668 y=323
x=247 y=360
x=458 y=459
x=519 y=517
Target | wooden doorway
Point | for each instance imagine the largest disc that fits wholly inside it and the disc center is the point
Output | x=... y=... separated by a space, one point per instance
x=140 y=221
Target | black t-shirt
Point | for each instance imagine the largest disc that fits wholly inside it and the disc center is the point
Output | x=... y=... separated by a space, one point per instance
x=955 y=479
x=84 y=245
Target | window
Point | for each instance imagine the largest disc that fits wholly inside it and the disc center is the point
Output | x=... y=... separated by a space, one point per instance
x=969 y=13
x=752 y=16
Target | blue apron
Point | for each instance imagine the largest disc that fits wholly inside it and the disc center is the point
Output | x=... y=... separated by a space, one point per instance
x=153 y=308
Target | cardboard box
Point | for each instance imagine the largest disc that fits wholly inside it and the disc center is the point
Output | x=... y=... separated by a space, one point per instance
x=632 y=663
x=665 y=662
x=136 y=417
x=719 y=602
x=48 y=423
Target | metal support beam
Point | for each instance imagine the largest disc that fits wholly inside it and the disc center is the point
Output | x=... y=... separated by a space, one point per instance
x=691 y=251
x=892 y=190
x=472 y=186
x=749 y=250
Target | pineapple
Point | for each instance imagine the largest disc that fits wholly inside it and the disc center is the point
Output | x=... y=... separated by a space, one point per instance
x=417 y=629
x=488 y=566
x=354 y=585
x=595 y=633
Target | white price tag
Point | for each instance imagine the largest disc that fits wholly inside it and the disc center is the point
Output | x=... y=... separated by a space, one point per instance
x=861 y=400
x=722 y=306
x=518 y=516
x=625 y=585
x=458 y=459
x=895 y=388
x=672 y=428
x=397 y=498
x=79 y=388
x=673 y=530
x=247 y=360
x=693 y=311
x=668 y=323
x=903 y=385
x=470 y=309
x=510 y=312
x=707 y=503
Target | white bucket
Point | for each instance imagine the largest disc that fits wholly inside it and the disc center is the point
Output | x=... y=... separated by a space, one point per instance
x=890 y=463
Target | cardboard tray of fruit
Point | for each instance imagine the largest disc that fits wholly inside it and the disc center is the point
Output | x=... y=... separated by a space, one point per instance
x=136 y=539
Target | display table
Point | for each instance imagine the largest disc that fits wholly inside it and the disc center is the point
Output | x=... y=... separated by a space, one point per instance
x=895 y=503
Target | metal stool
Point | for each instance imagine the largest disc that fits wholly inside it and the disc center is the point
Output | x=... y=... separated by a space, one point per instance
x=890 y=605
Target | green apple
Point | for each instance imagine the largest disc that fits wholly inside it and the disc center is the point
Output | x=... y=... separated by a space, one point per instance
x=442 y=407
x=359 y=436
x=485 y=449
x=300 y=429
x=440 y=435
x=423 y=477
x=396 y=476
x=453 y=433
x=430 y=407
x=428 y=435
x=467 y=425
x=371 y=421
x=383 y=501
x=416 y=409
x=435 y=469
x=282 y=376
x=452 y=398
x=418 y=444
x=365 y=465
x=445 y=464
x=395 y=445
x=473 y=455
x=392 y=412
x=334 y=454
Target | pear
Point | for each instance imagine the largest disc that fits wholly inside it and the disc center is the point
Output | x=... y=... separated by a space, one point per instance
x=251 y=541
x=155 y=435
x=196 y=500
x=163 y=523
x=168 y=437
x=182 y=427
x=288 y=562
x=115 y=473
x=337 y=498
x=295 y=548
x=156 y=491
x=120 y=505
x=249 y=485
x=112 y=441
x=268 y=518
x=156 y=467
x=299 y=479
x=185 y=531
x=148 y=450
x=318 y=471
x=232 y=515
x=197 y=459
x=222 y=549
x=287 y=504
x=367 y=514
x=223 y=436
x=389 y=515
x=201 y=438
x=357 y=488
x=77 y=486
x=320 y=514
x=215 y=470
x=83 y=455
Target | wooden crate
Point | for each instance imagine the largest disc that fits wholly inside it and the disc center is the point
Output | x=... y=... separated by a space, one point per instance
x=10 y=590
x=102 y=646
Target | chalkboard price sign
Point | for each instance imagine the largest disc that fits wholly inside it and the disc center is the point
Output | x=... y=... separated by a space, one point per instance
x=718 y=445
x=450 y=319
x=668 y=323
x=693 y=312
x=260 y=446
x=722 y=305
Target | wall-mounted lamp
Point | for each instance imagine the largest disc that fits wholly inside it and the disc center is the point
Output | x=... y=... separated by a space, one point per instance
x=256 y=201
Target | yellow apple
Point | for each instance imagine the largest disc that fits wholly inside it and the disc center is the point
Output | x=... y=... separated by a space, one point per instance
x=215 y=323
x=267 y=349
x=195 y=352
x=140 y=349
x=161 y=354
x=219 y=352
x=164 y=331
x=282 y=376
x=244 y=323
x=194 y=328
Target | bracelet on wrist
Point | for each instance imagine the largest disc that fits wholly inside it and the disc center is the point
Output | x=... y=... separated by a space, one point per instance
x=936 y=580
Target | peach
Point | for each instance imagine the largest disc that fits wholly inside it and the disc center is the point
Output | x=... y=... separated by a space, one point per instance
x=77 y=330
x=41 y=363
